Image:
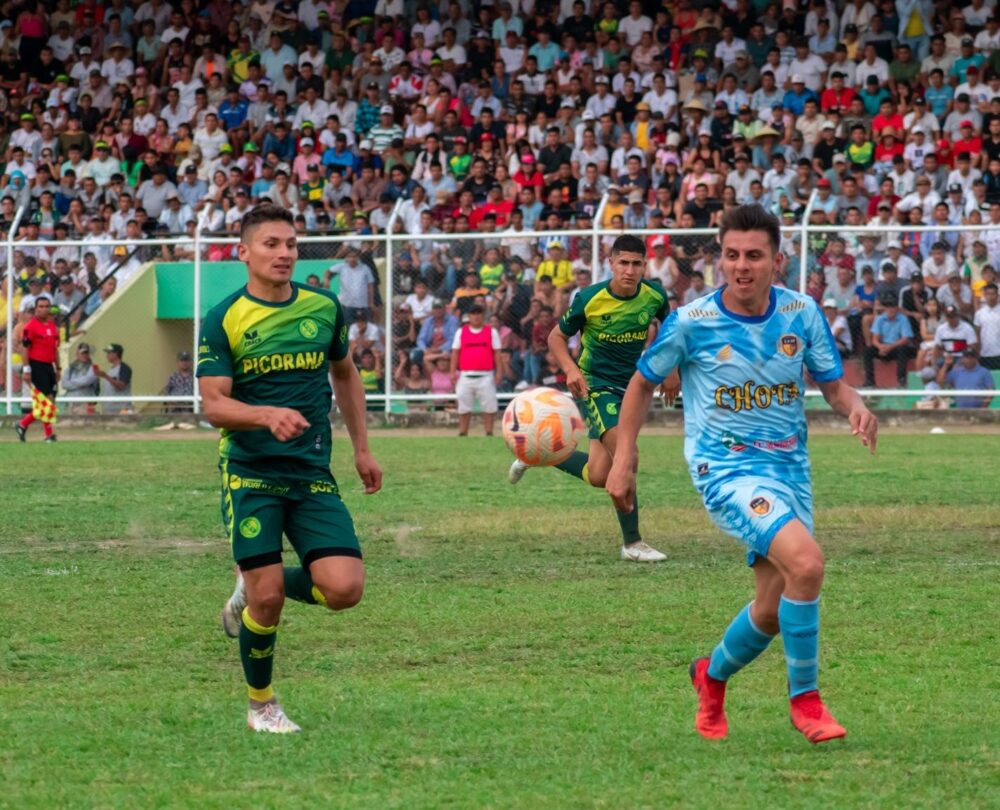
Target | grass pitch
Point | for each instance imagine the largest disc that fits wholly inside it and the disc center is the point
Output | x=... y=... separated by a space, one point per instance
x=502 y=656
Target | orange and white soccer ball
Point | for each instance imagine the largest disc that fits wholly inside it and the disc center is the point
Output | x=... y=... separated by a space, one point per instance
x=542 y=427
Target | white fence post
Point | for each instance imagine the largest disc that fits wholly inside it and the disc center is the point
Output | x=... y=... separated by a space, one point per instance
x=804 y=247
x=9 y=381
x=387 y=303
x=595 y=246
x=196 y=303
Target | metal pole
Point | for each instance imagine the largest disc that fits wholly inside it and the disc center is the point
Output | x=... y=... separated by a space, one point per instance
x=595 y=246
x=804 y=247
x=9 y=381
x=196 y=314
x=387 y=364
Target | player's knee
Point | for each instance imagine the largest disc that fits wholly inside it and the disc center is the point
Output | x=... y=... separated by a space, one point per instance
x=807 y=568
x=265 y=603
x=341 y=594
x=597 y=477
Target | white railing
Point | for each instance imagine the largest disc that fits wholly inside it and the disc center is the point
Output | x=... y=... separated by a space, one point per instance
x=387 y=240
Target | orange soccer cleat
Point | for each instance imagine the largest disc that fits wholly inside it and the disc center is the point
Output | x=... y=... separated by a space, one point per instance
x=811 y=717
x=710 y=721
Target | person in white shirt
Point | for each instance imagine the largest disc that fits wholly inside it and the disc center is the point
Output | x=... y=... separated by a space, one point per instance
x=924 y=197
x=313 y=109
x=987 y=323
x=871 y=65
x=914 y=151
x=727 y=47
x=420 y=301
x=963 y=174
x=210 y=139
x=118 y=68
x=632 y=27
x=661 y=98
x=937 y=267
x=810 y=66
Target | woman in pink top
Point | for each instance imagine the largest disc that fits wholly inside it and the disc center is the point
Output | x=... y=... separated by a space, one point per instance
x=32 y=28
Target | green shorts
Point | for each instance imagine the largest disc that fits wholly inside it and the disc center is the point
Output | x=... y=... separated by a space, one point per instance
x=257 y=509
x=600 y=410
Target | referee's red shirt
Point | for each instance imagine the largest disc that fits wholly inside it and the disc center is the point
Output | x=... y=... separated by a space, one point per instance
x=44 y=339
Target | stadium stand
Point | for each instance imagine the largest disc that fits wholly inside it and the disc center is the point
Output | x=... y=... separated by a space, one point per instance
x=132 y=120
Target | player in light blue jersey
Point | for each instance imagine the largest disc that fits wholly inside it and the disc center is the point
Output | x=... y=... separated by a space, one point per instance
x=742 y=353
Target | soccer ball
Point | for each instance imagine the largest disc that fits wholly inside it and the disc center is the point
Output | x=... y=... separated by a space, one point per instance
x=542 y=427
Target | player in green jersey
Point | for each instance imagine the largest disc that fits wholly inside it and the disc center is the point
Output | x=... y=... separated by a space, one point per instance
x=616 y=320
x=265 y=359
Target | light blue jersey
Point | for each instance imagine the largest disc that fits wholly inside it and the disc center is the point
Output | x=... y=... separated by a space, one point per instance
x=743 y=383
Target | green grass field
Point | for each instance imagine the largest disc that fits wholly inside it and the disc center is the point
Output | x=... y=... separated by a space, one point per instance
x=502 y=656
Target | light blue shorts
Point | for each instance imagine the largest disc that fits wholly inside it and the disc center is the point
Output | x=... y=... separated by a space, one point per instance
x=753 y=509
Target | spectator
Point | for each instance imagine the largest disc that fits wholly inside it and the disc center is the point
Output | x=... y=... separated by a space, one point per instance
x=357 y=285
x=891 y=339
x=967 y=374
x=180 y=384
x=955 y=335
x=80 y=380
x=987 y=323
x=116 y=381
x=476 y=370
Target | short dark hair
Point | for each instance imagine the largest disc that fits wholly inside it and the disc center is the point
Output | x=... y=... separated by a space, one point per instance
x=751 y=218
x=626 y=243
x=266 y=212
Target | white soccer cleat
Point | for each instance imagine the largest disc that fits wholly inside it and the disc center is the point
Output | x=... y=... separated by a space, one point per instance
x=642 y=552
x=269 y=717
x=517 y=471
x=232 y=613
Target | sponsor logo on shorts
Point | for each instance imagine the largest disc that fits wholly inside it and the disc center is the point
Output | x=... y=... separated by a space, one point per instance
x=789 y=345
x=308 y=328
x=737 y=444
x=235 y=482
x=611 y=408
x=250 y=527
x=323 y=486
x=760 y=505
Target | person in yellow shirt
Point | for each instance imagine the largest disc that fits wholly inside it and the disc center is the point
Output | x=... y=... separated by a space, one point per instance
x=556 y=266
x=642 y=126
x=615 y=206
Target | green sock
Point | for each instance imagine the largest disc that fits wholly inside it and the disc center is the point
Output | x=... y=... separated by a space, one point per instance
x=299 y=585
x=575 y=465
x=629 y=521
x=257 y=656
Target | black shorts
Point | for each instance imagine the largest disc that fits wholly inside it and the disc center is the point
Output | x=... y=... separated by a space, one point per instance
x=43 y=377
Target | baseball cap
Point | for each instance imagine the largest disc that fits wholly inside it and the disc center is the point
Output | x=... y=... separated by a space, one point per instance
x=954 y=187
x=635 y=197
x=386 y=109
x=967 y=40
x=889 y=300
x=366 y=143
x=839 y=158
x=916 y=275
x=823 y=182
x=183 y=355
x=883 y=206
x=101 y=145
x=894 y=243
x=83 y=346
x=114 y=347
x=307 y=142
x=226 y=147
x=85 y=49
x=528 y=159
x=950 y=310
x=830 y=302
x=797 y=79
x=829 y=125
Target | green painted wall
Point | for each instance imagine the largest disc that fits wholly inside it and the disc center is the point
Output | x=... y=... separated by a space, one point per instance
x=175 y=284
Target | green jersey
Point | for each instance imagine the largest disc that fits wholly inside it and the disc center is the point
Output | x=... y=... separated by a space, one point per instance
x=277 y=354
x=613 y=330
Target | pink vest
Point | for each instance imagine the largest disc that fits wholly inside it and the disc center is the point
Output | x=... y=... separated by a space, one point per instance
x=476 y=350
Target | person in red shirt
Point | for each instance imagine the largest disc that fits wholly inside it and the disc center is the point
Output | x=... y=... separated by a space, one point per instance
x=41 y=338
x=836 y=96
x=969 y=142
x=889 y=146
x=887 y=117
x=528 y=175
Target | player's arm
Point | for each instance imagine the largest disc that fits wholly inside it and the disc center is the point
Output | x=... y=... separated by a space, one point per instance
x=223 y=411
x=350 y=395
x=570 y=323
x=847 y=402
x=621 y=480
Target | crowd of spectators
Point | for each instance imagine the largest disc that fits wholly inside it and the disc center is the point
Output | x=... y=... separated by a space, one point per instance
x=130 y=119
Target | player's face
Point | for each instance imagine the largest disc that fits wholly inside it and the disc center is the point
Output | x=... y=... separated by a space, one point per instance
x=749 y=263
x=270 y=252
x=628 y=269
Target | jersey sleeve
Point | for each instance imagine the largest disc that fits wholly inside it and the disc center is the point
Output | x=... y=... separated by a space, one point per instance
x=339 y=345
x=215 y=358
x=822 y=358
x=666 y=353
x=575 y=318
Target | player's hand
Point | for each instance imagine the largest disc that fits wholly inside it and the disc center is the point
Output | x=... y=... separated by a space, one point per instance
x=286 y=424
x=670 y=388
x=864 y=424
x=621 y=487
x=576 y=383
x=368 y=471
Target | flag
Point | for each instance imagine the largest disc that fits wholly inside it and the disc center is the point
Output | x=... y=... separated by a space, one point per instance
x=43 y=408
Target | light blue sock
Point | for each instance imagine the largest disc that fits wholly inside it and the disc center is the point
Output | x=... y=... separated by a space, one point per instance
x=799 y=623
x=742 y=642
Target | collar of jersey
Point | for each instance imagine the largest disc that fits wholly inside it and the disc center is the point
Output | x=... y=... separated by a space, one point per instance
x=617 y=297
x=746 y=318
x=263 y=303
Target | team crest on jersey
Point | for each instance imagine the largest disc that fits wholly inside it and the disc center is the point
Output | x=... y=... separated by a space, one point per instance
x=643 y=318
x=724 y=354
x=789 y=345
x=762 y=506
x=308 y=328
